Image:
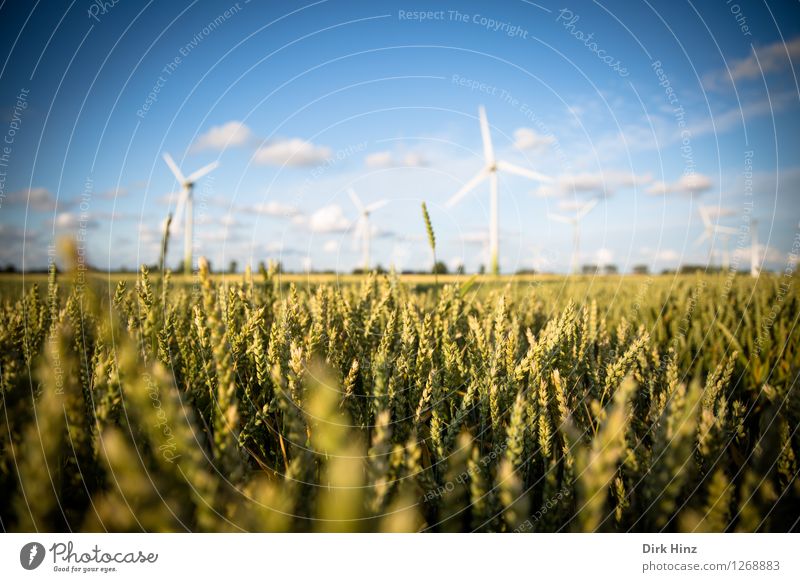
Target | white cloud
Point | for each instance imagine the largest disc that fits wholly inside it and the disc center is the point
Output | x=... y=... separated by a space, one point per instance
x=14 y=235
x=70 y=221
x=379 y=160
x=548 y=191
x=715 y=212
x=329 y=218
x=332 y=246
x=228 y=135
x=543 y=259
x=570 y=204
x=745 y=113
x=209 y=236
x=274 y=208
x=113 y=194
x=40 y=199
x=783 y=182
x=687 y=184
x=603 y=183
x=147 y=233
x=117 y=216
x=66 y=220
x=526 y=138
x=291 y=152
x=658 y=187
x=766 y=254
x=693 y=183
x=454 y=263
x=378 y=232
x=478 y=237
x=771 y=58
x=414 y=159
x=278 y=247
x=387 y=159
x=171 y=200
x=581 y=182
x=668 y=256
x=604 y=256
x=660 y=256
x=621 y=179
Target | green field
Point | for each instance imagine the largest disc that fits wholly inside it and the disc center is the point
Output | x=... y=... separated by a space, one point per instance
x=383 y=403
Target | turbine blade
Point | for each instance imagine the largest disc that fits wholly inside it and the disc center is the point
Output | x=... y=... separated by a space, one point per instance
x=586 y=208
x=704 y=215
x=703 y=237
x=727 y=230
x=356 y=200
x=486 y=136
x=358 y=233
x=376 y=205
x=524 y=172
x=177 y=223
x=559 y=218
x=202 y=172
x=466 y=188
x=176 y=171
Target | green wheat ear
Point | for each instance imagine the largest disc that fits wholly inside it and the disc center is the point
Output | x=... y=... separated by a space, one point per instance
x=429 y=227
x=431 y=238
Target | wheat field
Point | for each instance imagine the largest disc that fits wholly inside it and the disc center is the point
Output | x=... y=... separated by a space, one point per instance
x=384 y=403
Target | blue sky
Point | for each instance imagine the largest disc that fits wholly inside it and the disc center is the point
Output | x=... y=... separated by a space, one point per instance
x=653 y=109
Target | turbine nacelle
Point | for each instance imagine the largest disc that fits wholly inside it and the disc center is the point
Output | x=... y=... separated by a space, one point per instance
x=188 y=182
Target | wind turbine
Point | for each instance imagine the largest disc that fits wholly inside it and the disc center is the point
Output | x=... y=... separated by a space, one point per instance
x=710 y=229
x=576 y=236
x=362 y=229
x=185 y=200
x=490 y=171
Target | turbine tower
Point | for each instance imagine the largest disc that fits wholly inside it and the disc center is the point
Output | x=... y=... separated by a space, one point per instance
x=185 y=200
x=709 y=230
x=489 y=171
x=755 y=268
x=576 y=234
x=363 y=230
